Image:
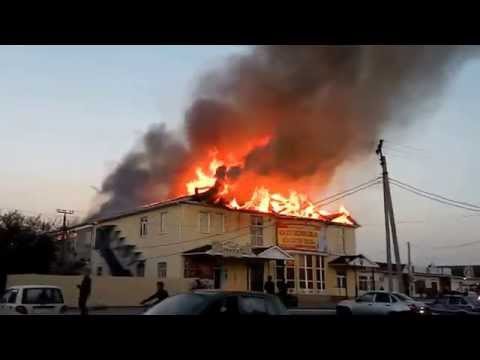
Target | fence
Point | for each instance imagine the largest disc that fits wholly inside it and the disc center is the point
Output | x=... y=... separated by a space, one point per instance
x=106 y=290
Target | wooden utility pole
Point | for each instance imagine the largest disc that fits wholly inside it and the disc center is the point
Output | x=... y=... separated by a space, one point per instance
x=390 y=224
x=64 y=231
x=409 y=269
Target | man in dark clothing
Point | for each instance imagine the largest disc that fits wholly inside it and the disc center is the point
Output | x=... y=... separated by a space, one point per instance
x=282 y=291
x=85 y=288
x=270 y=286
x=160 y=295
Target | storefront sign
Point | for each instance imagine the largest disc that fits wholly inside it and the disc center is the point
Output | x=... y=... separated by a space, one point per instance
x=231 y=249
x=308 y=237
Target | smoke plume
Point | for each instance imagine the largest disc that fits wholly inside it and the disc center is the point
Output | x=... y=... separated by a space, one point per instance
x=319 y=105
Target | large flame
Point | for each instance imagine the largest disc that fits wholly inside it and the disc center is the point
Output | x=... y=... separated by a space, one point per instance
x=261 y=199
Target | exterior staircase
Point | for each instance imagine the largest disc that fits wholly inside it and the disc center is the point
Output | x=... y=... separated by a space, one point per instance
x=120 y=255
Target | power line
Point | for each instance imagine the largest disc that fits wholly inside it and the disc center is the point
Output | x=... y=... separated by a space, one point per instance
x=436 y=195
x=434 y=198
x=394 y=144
x=348 y=192
x=458 y=245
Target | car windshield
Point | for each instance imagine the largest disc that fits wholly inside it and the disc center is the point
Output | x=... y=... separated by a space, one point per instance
x=183 y=304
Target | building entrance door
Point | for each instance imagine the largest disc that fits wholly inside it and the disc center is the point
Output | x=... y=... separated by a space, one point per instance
x=217 y=278
x=256 y=277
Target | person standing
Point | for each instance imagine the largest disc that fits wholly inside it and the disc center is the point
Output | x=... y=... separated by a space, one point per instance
x=269 y=286
x=161 y=294
x=85 y=289
x=282 y=291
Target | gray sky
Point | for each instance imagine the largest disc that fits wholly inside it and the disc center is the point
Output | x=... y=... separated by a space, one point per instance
x=69 y=113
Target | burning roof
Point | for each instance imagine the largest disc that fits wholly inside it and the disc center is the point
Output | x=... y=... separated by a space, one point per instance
x=340 y=218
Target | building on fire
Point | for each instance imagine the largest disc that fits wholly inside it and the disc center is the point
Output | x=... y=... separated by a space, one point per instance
x=228 y=248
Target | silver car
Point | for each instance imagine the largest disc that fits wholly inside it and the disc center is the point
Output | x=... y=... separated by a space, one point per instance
x=375 y=303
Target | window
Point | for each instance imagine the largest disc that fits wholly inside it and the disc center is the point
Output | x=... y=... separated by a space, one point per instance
x=290 y=278
x=382 y=298
x=256 y=230
x=280 y=270
x=42 y=296
x=252 y=305
x=163 y=222
x=367 y=298
x=162 y=270
x=363 y=283
x=204 y=220
x=306 y=272
x=9 y=297
x=144 y=226
x=141 y=269
x=341 y=280
x=320 y=272
x=99 y=271
x=393 y=299
x=218 y=225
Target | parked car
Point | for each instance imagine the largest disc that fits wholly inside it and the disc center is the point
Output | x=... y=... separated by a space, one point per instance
x=32 y=300
x=416 y=306
x=455 y=305
x=215 y=302
x=380 y=303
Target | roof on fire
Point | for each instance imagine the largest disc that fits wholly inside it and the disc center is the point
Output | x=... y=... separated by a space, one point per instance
x=190 y=199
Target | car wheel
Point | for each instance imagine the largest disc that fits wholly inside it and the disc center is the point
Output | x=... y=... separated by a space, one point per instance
x=343 y=311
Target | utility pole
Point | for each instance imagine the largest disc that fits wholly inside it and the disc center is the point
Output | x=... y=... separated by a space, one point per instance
x=409 y=267
x=64 y=231
x=389 y=223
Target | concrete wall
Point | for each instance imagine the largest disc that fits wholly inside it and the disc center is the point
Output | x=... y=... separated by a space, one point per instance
x=106 y=290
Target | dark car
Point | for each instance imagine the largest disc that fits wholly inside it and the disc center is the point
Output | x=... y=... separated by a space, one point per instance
x=455 y=305
x=214 y=302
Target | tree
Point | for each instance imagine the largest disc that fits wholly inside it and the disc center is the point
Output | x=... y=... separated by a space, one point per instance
x=26 y=245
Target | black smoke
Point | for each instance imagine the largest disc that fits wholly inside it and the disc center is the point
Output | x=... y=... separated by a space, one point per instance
x=322 y=106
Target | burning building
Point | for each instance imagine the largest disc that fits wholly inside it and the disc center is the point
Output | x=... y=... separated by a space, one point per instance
x=231 y=244
x=229 y=193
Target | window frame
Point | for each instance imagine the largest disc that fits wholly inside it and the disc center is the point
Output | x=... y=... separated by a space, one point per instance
x=163 y=222
x=342 y=276
x=363 y=283
x=256 y=230
x=306 y=284
x=319 y=268
x=200 y=214
x=144 y=226
x=159 y=270
x=140 y=265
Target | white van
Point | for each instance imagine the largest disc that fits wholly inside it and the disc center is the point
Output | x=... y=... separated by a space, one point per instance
x=32 y=300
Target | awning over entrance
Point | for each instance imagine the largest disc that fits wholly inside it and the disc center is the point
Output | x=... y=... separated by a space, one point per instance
x=233 y=250
x=272 y=253
x=353 y=261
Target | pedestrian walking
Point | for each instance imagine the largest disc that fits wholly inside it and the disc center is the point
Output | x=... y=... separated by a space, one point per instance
x=161 y=294
x=85 y=289
x=269 y=286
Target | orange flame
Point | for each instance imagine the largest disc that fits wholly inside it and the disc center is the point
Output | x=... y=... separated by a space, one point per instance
x=262 y=199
